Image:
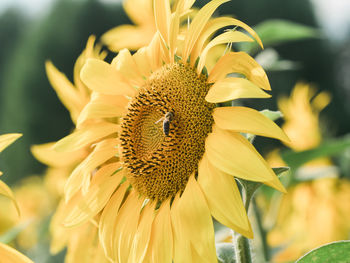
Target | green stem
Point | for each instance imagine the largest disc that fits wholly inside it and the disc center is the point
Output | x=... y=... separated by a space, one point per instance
x=241 y=243
x=262 y=232
x=242 y=249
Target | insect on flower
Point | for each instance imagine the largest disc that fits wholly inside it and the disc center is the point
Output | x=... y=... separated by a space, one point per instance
x=166 y=122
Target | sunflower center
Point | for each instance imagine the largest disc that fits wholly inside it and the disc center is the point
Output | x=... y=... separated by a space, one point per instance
x=163 y=134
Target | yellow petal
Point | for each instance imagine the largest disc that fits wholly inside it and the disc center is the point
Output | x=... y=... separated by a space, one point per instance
x=108 y=217
x=243 y=119
x=154 y=52
x=10 y=255
x=173 y=33
x=214 y=25
x=103 y=184
x=226 y=37
x=128 y=36
x=233 y=154
x=140 y=12
x=321 y=100
x=102 y=77
x=83 y=239
x=161 y=242
x=80 y=177
x=85 y=136
x=182 y=246
x=240 y=62
x=182 y=6
x=142 y=235
x=198 y=24
x=196 y=221
x=6 y=191
x=142 y=62
x=47 y=155
x=125 y=64
x=90 y=51
x=234 y=88
x=126 y=226
x=162 y=18
x=7 y=139
x=59 y=233
x=66 y=91
x=223 y=197
x=98 y=110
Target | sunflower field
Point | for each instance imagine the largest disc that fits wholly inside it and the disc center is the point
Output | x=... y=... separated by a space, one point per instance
x=174 y=131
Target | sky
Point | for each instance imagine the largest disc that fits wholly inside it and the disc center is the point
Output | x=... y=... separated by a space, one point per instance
x=333 y=15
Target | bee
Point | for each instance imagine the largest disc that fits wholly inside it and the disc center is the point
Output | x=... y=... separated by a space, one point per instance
x=166 y=122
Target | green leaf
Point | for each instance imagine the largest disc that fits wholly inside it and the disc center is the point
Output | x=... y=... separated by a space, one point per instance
x=326 y=149
x=225 y=253
x=272 y=115
x=336 y=252
x=276 y=31
x=11 y=234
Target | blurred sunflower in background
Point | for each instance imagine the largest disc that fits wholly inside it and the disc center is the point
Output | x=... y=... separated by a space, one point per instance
x=5 y=141
x=80 y=242
x=163 y=158
x=314 y=212
x=36 y=204
x=7 y=253
x=133 y=37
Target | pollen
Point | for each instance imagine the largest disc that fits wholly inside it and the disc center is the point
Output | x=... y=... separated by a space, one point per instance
x=158 y=152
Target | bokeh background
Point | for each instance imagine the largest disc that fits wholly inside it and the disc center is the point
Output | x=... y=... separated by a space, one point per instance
x=32 y=32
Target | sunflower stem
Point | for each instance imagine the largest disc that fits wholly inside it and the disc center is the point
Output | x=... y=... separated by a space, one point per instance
x=261 y=230
x=242 y=249
x=241 y=243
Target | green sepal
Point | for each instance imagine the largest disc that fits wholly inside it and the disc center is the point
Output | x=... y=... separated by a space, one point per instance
x=250 y=186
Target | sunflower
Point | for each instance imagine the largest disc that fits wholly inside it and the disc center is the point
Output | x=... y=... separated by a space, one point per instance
x=6 y=140
x=132 y=36
x=317 y=204
x=164 y=157
x=301 y=113
x=35 y=203
x=8 y=254
x=304 y=211
x=74 y=96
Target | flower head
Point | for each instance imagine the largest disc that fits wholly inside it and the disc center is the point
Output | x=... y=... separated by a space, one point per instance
x=164 y=156
x=301 y=112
